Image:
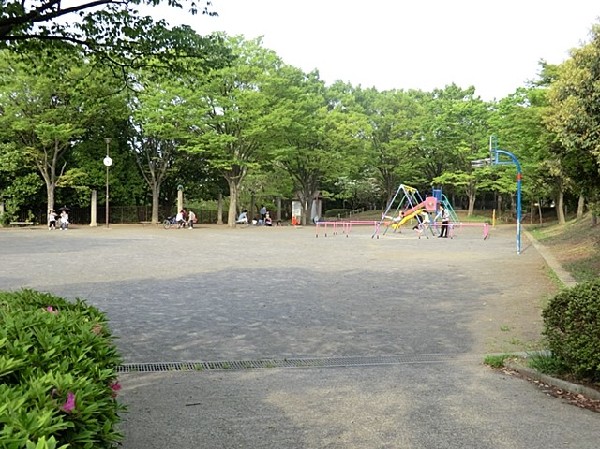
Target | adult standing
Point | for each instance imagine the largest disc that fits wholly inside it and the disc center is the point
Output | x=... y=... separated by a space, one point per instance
x=445 y=222
x=263 y=214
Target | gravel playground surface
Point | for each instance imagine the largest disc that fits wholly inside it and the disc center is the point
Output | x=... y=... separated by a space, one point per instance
x=256 y=293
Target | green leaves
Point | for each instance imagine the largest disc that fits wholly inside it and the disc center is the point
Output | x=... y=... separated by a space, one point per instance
x=54 y=353
x=572 y=327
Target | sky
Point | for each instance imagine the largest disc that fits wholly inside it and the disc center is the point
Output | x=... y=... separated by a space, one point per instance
x=494 y=46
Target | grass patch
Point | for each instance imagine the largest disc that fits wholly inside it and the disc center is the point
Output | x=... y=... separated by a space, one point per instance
x=546 y=363
x=576 y=246
x=496 y=360
x=585 y=269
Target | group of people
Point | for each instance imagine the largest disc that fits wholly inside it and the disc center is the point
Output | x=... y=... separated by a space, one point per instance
x=186 y=218
x=264 y=219
x=423 y=220
x=63 y=219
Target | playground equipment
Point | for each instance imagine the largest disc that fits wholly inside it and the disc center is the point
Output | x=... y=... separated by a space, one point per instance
x=408 y=204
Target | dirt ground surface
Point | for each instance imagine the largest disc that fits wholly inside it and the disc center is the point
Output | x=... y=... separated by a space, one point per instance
x=400 y=326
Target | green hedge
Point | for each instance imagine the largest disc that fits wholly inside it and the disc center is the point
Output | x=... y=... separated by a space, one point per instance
x=572 y=327
x=58 y=379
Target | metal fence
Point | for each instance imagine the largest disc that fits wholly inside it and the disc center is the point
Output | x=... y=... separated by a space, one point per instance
x=128 y=215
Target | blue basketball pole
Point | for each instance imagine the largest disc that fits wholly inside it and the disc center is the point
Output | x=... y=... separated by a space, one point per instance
x=519 y=178
x=494 y=159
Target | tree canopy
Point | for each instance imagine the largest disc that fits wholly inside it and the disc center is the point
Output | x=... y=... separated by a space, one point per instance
x=221 y=114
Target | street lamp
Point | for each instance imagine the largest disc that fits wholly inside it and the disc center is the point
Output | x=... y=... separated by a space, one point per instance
x=494 y=159
x=107 y=162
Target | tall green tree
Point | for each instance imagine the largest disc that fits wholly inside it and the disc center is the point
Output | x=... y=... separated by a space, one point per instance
x=394 y=118
x=574 y=117
x=300 y=139
x=235 y=114
x=454 y=132
x=39 y=111
x=159 y=117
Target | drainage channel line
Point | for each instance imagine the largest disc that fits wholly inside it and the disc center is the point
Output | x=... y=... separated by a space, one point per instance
x=325 y=362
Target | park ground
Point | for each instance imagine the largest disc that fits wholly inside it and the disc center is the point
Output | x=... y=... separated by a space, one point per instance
x=252 y=294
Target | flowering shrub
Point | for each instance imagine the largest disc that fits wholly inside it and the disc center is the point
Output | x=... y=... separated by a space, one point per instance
x=58 y=380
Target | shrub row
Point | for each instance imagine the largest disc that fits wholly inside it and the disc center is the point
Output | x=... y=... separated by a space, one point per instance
x=58 y=378
x=572 y=327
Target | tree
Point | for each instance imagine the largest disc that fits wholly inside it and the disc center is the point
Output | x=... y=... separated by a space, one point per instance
x=113 y=31
x=234 y=114
x=96 y=24
x=454 y=132
x=393 y=123
x=41 y=115
x=300 y=139
x=160 y=118
x=573 y=115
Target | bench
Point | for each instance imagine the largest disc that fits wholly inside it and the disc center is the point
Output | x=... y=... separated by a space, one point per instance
x=21 y=223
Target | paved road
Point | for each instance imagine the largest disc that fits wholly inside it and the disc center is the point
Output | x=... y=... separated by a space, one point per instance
x=251 y=294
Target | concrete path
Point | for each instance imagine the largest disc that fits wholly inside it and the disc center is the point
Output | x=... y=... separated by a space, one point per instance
x=251 y=294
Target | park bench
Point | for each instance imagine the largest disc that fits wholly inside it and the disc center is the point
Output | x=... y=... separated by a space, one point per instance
x=21 y=223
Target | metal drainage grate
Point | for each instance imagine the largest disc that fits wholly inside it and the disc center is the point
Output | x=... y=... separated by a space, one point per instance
x=326 y=362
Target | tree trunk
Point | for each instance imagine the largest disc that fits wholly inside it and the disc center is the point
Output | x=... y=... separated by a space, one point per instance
x=499 y=206
x=580 y=206
x=220 y=209
x=560 y=212
x=471 y=205
x=540 y=211
x=155 y=196
x=50 y=196
x=278 y=203
x=233 y=193
x=252 y=210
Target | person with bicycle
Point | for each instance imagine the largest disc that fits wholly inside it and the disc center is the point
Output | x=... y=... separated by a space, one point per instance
x=180 y=219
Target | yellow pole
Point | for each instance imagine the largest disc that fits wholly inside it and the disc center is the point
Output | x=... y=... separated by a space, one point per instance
x=494 y=218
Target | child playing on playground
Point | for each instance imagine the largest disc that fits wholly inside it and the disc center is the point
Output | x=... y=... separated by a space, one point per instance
x=422 y=221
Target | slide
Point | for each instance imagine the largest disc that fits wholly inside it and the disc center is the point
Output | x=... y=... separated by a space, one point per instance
x=408 y=217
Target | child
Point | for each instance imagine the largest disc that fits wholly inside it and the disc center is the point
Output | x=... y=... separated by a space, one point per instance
x=51 y=220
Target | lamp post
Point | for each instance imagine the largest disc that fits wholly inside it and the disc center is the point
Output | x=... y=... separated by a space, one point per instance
x=107 y=162
x=494 y=159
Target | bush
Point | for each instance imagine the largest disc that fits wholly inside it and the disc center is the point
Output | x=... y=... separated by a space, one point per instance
x=57 y=374
x=572 y=327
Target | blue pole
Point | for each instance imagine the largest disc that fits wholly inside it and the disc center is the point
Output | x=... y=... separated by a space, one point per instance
x=519 y=177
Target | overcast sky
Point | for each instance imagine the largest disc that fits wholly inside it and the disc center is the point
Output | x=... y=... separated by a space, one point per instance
x=492 y=45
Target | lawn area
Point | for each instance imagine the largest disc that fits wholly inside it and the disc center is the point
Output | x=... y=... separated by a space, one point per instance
x=576 y=245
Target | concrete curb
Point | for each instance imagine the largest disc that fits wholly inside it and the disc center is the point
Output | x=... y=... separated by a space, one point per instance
x=562 y=384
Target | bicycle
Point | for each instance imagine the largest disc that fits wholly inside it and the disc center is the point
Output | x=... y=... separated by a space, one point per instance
x=170 y=221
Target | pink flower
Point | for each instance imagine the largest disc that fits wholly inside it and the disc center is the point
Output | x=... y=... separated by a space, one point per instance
x=51 y=310
x=69 y=405
x=115 y=387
